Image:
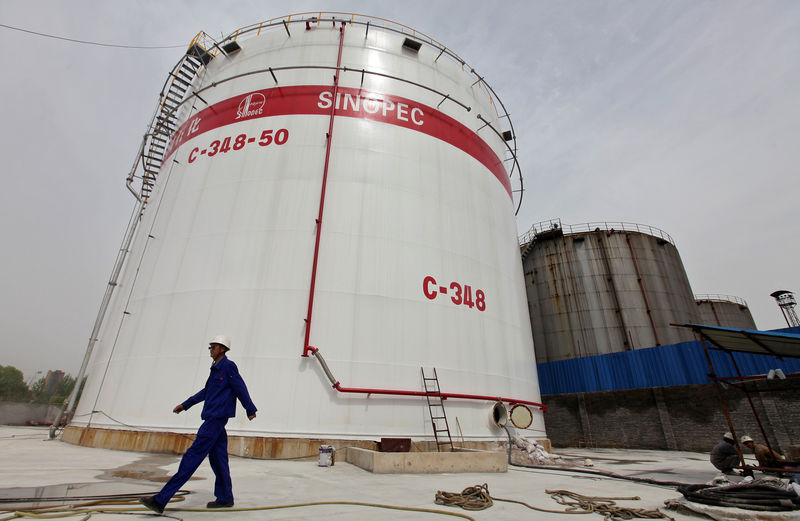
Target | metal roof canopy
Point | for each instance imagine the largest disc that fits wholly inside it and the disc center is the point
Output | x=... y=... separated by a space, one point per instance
x=749 y=340
x=745 y=341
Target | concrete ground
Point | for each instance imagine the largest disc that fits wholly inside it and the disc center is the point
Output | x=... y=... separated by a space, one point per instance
x=35 y=467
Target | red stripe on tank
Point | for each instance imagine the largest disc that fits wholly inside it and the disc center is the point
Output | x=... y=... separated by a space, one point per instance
x=350 y=102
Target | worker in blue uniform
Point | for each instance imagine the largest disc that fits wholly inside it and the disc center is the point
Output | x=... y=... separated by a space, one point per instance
x=223 y=387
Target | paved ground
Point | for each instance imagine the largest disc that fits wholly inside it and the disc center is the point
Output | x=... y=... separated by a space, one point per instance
x=33 y=466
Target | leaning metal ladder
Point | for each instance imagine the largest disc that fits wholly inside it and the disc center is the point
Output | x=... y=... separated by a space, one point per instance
x=436 y=408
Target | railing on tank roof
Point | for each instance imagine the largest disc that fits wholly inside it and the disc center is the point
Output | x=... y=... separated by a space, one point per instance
x=318 y=17
x=210 y=47
x=555 y=224
x=352 y=18
x=206 y=42
x=721 y=298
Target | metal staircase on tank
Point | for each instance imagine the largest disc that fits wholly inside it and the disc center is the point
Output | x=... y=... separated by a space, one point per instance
x=436 y=408
x=149 y=158
x=164 y=122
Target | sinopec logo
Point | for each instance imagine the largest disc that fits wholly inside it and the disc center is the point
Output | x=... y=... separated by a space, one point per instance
x=251 y=105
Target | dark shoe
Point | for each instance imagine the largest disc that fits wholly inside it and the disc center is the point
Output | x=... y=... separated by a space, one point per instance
x=151 y=503
x=218 y=504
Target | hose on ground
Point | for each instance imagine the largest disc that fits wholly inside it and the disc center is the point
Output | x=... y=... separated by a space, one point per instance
x=605 y=473
x=86 y=508
x=479 y=498
x=61 y=512
x=748 y=496
x=99 y=497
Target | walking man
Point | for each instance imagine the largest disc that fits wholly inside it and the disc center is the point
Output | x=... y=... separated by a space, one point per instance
x=223 y=387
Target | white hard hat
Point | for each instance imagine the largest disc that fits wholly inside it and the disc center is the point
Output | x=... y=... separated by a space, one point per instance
x=727 y=436
x=222 y=340
x=745 y=439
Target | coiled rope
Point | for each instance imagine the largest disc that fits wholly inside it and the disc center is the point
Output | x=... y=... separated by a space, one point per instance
x=605 y=505
x=471 y=498
x=479 y=498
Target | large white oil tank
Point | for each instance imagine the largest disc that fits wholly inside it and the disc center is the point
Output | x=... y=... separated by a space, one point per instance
x=334 y=185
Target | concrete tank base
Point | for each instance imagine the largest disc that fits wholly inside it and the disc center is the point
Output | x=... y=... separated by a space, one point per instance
x=248 y=446
x=427 y=462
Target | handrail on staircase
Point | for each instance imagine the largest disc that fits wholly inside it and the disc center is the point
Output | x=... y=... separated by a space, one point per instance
x=163 y=123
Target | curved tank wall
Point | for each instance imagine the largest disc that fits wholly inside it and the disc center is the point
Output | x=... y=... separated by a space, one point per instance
x=724 y=311
x=417 y=261
x=602 y=288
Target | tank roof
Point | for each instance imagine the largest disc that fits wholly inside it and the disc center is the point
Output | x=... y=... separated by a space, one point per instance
x=721 y=298
x=551 y=226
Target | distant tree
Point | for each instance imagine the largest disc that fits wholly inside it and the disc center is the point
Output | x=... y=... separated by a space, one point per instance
x=63 y=389
x=38 y=391
x=12 y=384
x=37 y=388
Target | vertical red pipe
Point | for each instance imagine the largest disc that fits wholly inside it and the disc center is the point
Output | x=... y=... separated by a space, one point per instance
x=307 y=348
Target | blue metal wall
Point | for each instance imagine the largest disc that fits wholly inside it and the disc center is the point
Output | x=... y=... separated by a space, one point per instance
x=663 y=366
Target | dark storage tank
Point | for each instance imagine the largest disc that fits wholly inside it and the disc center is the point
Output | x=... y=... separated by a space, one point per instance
x=601 y=288
x=724 y=311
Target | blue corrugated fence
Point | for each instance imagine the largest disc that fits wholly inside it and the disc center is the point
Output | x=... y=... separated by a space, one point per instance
x=662 y=366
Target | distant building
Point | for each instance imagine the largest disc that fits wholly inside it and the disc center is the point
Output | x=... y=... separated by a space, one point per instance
x=52 y=380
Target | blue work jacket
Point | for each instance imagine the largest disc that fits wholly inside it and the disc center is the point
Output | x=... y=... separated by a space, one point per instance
x=223 y=386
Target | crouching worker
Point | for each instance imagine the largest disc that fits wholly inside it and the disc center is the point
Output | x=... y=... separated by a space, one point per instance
x=724 y=455
x=766 y=457
x=223 y=387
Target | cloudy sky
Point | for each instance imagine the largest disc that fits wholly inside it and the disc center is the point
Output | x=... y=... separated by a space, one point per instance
x=683 y=115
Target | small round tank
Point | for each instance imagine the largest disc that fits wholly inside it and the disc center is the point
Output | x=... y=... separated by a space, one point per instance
x=601 y=288
x=724 y=311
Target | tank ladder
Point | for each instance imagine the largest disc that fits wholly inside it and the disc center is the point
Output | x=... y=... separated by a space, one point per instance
x=433 y=395
x=165 y=122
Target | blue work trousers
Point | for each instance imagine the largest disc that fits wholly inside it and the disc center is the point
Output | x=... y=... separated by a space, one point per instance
x=211 y=441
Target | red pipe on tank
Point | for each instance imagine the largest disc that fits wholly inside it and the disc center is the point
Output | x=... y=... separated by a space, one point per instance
x=341 y=389
x=396 y=392
x=313 y=350
x=307 y=348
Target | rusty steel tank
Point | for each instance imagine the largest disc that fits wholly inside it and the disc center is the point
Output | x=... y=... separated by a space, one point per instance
x=724 y=311
x=599 y=288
